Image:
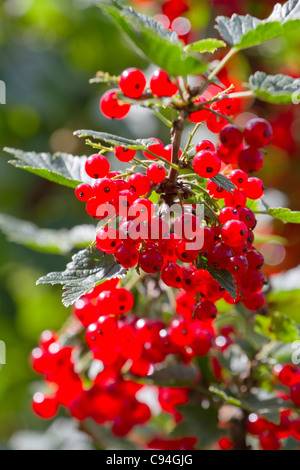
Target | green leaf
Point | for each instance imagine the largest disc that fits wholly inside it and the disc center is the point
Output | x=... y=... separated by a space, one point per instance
x=176 y=375
x=86 y=270
x=139 y=144
x=61 y=168
x=224 y=277
x=284 y=214
x=242 y=32
x=46 y=240
x=278 y=89
x=205 y=45
x=199 y=422
x=223 y=182
x=287 y=303
x=162 y=47
x=277 y=326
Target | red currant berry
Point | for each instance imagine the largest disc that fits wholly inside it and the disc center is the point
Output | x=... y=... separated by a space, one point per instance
x=239 y=178
x=84 y=192
x=225 y=443
x=289 y=375
x=156 y=173
x=181 y=332
x=247 y=216
x=112 y=107
x=45 y=407
x=235 y=199
x=161 y=85
x=105 y=190
x=124 y=154
x=168 y=152
x=143 y=209
x=227 y=155
x=185 y=253
x=250 y=160
x=172 y=275
x=126 y=255
x=139 y=184
x=219 y=256
x=205 y=145
x=254 y=301
x=234 y=233
x=202 y=114
x=295 y=393
x=206 y=164
x=215 y=123
x=228 y=213
x=97 y=166
x=107 y=239
x=255 y=259
x=269 y=442
x=205 y=310
x=157 y=149
x=132 y=82
x=151 y=261
x=254 y=188
x=258 y=133
x=231 y=136
x=237 y=265
x=214 y=190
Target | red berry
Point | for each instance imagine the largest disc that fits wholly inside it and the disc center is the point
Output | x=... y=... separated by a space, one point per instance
x=84 y=192
x=254 y=301
x=45 y=407
x=112 y=107
x=181 y=332
x=219 y=256
x=107 y=239
x=151 y=261
x=295 y=393
x=225 y=443
x=215 y=123
x=250 y=160
x=132 y=82
x=202 y=114
x=234 y=233
x=156 y=173
x=206 y=164
x=157 y=149
x=139 y=184
x=239 y=178
x=205 y=310
x=143 y=209
x=185 y=252
x=227 y=155
x=97 y=166
x=124 y=154
x=205 y=145
x=247 y=216
x=231 y=136
x=126 y=255
x=289 y=375
x=255 y=259
x=235 y=199
x=171 y=275
x=228 y=213
x=237 y=265
x=161 y=85
x=258 y=132
x=254 y=188
x=269 y=442
x=214 y=190
x=105 y=190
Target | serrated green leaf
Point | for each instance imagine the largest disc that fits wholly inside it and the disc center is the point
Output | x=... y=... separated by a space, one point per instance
x=139 y=144
x=46 y=240
x=162 y=47
x=223 y=182
x=224 y=277
x=284 y=214
x=199 y=422
x=242 y=32
x=277 y=89
x=86 y=270
x=61 y=168
x=205 y=45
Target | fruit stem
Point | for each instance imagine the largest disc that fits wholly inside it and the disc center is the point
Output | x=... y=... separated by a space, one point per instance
x=221 y=64
x=176 y=133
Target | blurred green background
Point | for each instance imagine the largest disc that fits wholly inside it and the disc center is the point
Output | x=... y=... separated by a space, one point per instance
x=48 y=51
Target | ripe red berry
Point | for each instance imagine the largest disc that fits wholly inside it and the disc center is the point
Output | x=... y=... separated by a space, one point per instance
x=126 y=255
x=235 y=199
x=97 y=166
x=205 y=145
x=107 y=239
x=239 y=178
x=295 y=393
x=105 y=190
x=161 y=85
x=225 y=443
x=84 y=192
x=250 y=160
x=181 y=332
x=157 y=149
x=143 y=209
x=214 y=122
x=269 y=441
x=247 y=216
x=234 y=233
x=231 y=136
x=258 y=132
x=151 y=261
x=171 y=275
x=124 y=154
x=214 y=190
x=45 y=407
x=206 y=164
x=202 y=114
x=156 y=173
x=132 y=82
x=238 y=265
x=185 y=253
x=139 y=184
x=219 y=256
x=255 y=259
x=289 y=375
x=228 y=213
x=254 y=188
x=205 y=310
x=112 y=107
x=254 y=301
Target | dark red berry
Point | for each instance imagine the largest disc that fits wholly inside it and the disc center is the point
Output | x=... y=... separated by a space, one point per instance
x=258 y=133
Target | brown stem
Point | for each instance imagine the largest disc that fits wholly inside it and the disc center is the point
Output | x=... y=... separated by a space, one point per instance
x=176 y=133
x=238 y=433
